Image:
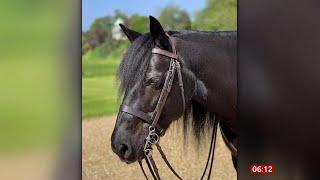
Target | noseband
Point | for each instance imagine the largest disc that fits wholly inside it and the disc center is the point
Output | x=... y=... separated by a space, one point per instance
x=155 y=130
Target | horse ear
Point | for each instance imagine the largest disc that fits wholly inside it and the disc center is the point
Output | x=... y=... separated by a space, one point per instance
x=158 y=34
x=131 y=34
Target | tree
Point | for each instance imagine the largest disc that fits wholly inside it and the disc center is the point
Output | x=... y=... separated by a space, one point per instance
x=85 y=44
x=99 y=31
x=174 y=18
x=139 y=23
x=217 y=15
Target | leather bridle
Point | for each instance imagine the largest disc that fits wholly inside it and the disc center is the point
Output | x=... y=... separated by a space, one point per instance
x=155 y=130
x=174 y=66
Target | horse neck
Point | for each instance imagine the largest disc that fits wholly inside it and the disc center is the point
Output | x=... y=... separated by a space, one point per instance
x=211 y=61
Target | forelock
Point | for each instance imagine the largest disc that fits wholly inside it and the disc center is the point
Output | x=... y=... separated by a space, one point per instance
x=135 y=62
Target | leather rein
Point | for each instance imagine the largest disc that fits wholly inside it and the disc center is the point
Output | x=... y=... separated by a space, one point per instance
x=155 y=130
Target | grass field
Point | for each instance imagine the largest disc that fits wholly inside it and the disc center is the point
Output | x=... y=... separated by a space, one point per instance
x=99 y=85
x=99 y=96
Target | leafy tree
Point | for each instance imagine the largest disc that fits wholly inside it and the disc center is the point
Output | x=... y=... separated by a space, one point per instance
x=99 y=32
x=217 y=15
x=85 y=44
x=174 y=18
x=139 y=23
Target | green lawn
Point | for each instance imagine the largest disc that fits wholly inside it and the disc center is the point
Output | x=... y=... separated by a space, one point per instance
x=99 y=96
x=99 y=67
x=99 y=85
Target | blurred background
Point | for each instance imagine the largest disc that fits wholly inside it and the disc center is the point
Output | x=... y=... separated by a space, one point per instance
x=103 y=45
x=38 y=104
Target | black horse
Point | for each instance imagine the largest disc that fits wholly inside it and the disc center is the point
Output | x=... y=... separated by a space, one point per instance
x=208 y=61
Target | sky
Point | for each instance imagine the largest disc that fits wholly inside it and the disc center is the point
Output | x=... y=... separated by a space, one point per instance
x=92 y=9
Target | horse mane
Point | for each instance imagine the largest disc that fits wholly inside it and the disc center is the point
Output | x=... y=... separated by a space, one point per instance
x=135 y=62
x=132 y=70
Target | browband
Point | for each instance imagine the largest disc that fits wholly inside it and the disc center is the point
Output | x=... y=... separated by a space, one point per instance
x=165 y=53
x=169 y=54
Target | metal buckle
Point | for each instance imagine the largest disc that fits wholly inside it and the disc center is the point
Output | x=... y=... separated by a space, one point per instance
x=151 y=139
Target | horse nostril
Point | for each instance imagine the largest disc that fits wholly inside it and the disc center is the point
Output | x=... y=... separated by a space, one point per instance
x=123 y=149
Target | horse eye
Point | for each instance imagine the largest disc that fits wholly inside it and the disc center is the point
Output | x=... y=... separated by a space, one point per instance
x=154 y=82
x=150 y=81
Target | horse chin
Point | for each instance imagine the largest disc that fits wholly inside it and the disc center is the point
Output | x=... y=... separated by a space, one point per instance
x=127 y=161
x=138 y=157
x=130 y=161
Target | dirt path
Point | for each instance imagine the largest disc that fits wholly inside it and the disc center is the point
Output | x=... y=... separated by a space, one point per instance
x=99 y=162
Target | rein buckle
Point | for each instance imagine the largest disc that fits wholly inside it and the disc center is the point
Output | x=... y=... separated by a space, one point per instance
x=151 y=139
